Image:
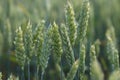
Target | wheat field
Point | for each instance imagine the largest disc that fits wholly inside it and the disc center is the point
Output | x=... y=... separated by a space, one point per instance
x=59 y=39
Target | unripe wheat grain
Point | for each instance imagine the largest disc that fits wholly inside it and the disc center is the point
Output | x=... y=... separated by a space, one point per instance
x=67 y=48
x=95 y=69
x=28 y=38
x=83 y=21
x=56 y=43
x=71 y=23
x=46 y=50
x=19 y=47
x=82 y=61
x=38 y=38
x=111 y=51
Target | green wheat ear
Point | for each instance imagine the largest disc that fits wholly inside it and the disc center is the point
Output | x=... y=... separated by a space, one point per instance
x=82 y=61
x=28 y=41
x=115 y=75
x=38 y=38
x=95 y=69
x=92 y=53
x=67 y=48
x=19 y=47
x=56 y=43
x=70 y=21
x=46 y=49
x=1 y=43
x=83 y=21
x=111 y=51
x=96 y=72
x=73 y=70
x=0 y=76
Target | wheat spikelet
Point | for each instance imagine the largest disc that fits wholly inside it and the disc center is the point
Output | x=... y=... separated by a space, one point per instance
x=70 y=21
x=67 y=48
x=116 y=59
x=56 y=43
x=82 y=61
x=73 y=70
x=38 y=38
x=111 y=51
x=46 y=49
x=92 y=53
x=83 y=22
x=95 y=69
x=19 y=47
x=28 y=41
